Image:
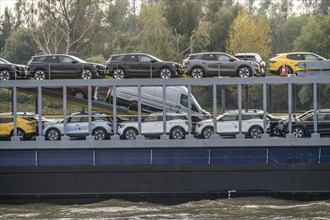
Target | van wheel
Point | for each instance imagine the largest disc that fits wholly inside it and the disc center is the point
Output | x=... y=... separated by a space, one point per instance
x=197 y=72
x=207 y=132
x=100 y=134
x=130 y=134
x=40 y=74
x=177 y=133
x=5 y=75
x=165 y=73
x=255 y=132
x=119 y=74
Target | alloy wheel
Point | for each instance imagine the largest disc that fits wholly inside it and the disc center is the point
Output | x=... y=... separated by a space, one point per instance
x=255 y=132
x=165 y=73
x=298 y=132
x=244 y=72
x=40 y=75
x=130 y=134
x=177 y=133
x=4 y=75
x=86 y=74
x=197 y=73
x=207 y=132
x=53 y=135
x=118 y=74
x=100 y=134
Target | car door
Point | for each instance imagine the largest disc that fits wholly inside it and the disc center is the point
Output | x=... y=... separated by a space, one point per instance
x=211 y=63
x=132 y=65
x=52 y=65
x=227 y=65
x=69 y=67
x=323 y=122
x=74 y=126
x=227 y=124
x=152 y=125
x=146 y=65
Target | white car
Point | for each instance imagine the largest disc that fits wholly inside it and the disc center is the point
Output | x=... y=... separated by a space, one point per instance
x=228 y=124
x=152 y=126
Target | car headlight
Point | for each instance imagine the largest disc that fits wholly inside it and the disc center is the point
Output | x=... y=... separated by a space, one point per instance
x=177 y=65
x=199 y=125
x=254 y=64
x=121 y=125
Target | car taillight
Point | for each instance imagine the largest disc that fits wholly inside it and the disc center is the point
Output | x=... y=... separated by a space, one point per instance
x=272 y=61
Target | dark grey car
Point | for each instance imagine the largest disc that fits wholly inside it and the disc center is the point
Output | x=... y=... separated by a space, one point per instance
x=9 y=70
x=218 y=64
x=64 y=66
x=139 y=65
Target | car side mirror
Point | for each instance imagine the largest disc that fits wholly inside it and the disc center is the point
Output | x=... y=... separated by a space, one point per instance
x=74 y=62
x=231 y=59
x=153 y=61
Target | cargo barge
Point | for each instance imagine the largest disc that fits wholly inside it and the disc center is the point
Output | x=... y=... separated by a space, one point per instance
x=87 y=170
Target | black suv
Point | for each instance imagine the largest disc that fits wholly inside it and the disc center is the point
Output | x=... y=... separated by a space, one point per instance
x=253 y=57
x=304 y=126
x=64 y=66
x=199 y=65
x=9 y=70
x=141 y=65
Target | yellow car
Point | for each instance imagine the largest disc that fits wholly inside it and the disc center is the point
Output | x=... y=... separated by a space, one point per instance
x=26 y=128
x=290 y=60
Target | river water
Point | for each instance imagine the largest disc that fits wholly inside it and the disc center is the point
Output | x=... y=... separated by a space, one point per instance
x=234 y=208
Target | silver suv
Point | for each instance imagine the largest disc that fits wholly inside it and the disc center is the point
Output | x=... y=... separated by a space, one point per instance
x=218 y=64
x=228 y=124
x=256 y=58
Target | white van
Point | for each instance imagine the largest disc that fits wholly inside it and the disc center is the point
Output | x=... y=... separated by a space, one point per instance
x=152 y=100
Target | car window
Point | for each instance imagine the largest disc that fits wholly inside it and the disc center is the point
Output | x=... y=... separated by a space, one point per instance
x=131 y=58
x=246 y=58
x=209 y=57
x=223 y=57
x=6 y=120
x=311 y=57
x=145 y=58
x=52 y=59
x=39 y=59
x=74 y=119
x=84 y=118
x=64 y=59
x=229 y=118
x=192 y=57
x=184 y=100
x=246 y=117
x=295 y=56
x=151 y=118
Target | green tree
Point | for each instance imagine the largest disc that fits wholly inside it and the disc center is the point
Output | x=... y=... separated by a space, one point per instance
x=19 y=47
x=315 y=36
x=156 y=37
x=249 y=34
x=6 y=27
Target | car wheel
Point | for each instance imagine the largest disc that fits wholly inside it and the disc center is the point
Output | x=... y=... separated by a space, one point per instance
x=100 y=134
x=275 y=131
x=298 y=132
x=165 y=73
x=119 y=74
x=197 y=72
x=255 y=132
x=130 y=134
x=86 y=74
x=79 y=95
x=207 y=132
x=53 y=134
x=5 y=75
x=40 y=74
x=244 y=72
x=20 y=133
x=177 y=133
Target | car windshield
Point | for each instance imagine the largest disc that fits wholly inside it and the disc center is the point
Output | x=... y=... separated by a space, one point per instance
x=3 y=61
x=78 y=59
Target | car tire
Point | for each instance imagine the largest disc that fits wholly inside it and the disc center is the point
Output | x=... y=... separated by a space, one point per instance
x=20 y=133
x=255 y=132
x=275 y=131
x=40 y=74
x=130 y=134
x=5 y=75
x=79 y=95
x=177 y=133
x=244 y=72
x=165 y=73
x=86 y=74
x=298 y=132
x=53 y=134
x=197 y=73
x=207 y=132
x=119 y=74
x=100 y=134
